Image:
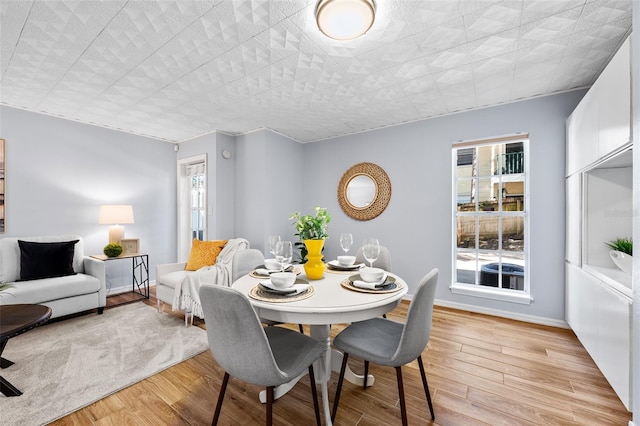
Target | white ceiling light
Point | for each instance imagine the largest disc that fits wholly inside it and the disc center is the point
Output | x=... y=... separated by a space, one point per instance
x=345 y=19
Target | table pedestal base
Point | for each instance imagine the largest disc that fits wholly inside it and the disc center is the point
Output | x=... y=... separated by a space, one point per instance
x=330 y=361
x=6 y=388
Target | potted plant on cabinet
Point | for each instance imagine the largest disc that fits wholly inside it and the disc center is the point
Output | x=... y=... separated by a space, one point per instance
x=312 y=230
x=621 y=253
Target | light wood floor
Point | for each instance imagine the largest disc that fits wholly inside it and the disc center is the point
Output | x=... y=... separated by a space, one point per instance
x=482 y=370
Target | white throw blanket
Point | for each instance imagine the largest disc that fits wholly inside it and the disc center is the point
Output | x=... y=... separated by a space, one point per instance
x=186 y=295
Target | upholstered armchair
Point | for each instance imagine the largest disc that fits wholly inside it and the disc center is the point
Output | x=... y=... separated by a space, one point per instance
x=210 y=263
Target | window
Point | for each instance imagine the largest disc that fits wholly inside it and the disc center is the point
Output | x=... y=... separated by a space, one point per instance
x=490 y=219
x=192 y=203
x=197 y=205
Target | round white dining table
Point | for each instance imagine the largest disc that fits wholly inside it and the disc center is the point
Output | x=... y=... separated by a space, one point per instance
x=330 y=303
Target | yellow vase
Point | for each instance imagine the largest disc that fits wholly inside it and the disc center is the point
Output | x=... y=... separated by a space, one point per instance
x=314 y=267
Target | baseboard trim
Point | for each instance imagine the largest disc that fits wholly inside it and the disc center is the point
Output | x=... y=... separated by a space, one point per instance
x=118 y=290
x=503 y=314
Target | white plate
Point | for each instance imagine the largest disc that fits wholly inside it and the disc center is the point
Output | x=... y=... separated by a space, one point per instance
x=300 y=287
x=337 y=264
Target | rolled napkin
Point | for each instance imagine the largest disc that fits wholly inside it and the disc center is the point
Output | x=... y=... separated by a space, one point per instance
x=267 y=272
x=301 y=288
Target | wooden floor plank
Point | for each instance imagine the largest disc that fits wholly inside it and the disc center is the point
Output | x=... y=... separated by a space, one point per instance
x=482 y=370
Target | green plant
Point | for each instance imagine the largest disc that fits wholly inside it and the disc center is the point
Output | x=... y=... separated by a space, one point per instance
x=624 y=245
x=312 y=227
x=112 y=250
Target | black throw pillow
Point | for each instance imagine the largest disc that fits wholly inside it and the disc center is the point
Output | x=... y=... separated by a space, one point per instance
x=46 y=260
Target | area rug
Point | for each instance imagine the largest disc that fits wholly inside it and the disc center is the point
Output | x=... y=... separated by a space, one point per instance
x=63 y=366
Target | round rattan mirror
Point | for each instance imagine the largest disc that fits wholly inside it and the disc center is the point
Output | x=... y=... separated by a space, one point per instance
x=364 y=191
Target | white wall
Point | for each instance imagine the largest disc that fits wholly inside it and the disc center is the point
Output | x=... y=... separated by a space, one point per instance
x=417 y=225
x=224 y=201
x=220 y=181
x=59 y=172
x=270 y=177
x=73 y=168
x=635 y=108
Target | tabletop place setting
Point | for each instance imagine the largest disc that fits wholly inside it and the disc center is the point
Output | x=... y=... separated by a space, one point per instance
x=279 y=281
x=282 y=283
x=344 y=263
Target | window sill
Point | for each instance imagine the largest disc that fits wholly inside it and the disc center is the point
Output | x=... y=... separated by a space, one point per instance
x=491 y=293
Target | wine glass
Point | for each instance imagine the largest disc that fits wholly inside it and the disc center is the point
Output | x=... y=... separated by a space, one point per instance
x=346 y=239
x=371 y=250
x=273 y=240
x=284 y=253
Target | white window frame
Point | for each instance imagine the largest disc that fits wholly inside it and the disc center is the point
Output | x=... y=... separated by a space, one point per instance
x=483 y=291
x=184 y=228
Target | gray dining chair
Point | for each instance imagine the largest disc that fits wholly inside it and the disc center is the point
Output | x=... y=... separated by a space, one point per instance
x=245 y=261
x=383 y=261
x=391 y=343
x=244 y=349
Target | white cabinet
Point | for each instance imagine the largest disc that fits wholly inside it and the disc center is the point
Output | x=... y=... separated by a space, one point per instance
x=582 y=133
x=573 y=235
x=614 y=340
x=601 y=122
x=581 y=310
x=614 y=114
x=599 y=208
x=601 y=319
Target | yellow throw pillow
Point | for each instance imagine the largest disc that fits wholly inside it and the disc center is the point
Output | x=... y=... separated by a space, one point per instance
x=204 y=253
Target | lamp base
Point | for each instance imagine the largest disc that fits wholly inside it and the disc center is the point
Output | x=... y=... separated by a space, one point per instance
x=116 y=233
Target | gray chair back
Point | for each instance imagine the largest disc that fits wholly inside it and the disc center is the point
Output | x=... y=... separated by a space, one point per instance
x=383 y=261
x=236 y=337
x=417 y=328
x=245 y=261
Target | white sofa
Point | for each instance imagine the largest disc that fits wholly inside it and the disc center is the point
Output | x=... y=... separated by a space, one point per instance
x=65 y=295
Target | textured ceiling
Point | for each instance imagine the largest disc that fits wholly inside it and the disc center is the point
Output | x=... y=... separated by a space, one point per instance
x=174 y=70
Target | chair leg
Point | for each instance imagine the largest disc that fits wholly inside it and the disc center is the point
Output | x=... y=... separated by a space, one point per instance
x=366 y=374
x=403 y=407
x=339 y=387
x=314 y=394
x=160 y=305
x=223 y=389
x=426 y=387
x=269 y=405
x=300 y=328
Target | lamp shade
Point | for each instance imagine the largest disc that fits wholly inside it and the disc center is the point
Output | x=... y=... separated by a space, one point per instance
x=345 y=19
x=115 y=214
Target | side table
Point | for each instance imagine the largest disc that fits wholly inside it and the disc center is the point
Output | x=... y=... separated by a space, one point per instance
x=139 y=270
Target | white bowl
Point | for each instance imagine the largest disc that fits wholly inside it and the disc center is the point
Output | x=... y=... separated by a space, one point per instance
x=371 y=275
x=622 y=261
x=346 y=260
x=282 y=279
x=272 y=264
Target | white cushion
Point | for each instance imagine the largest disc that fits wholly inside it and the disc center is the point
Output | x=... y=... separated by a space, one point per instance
x=172 y=279
x=47 y=289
